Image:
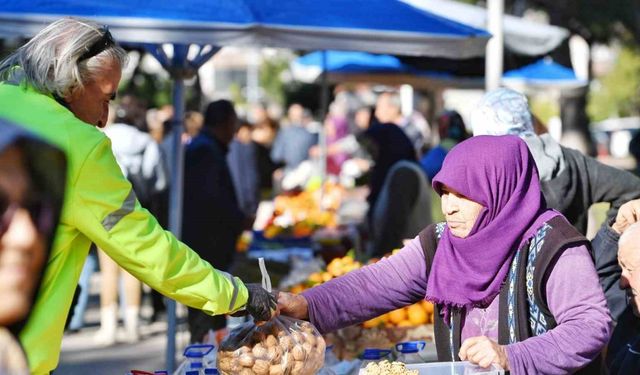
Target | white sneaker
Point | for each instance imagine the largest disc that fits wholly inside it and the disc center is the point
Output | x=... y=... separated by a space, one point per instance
x=106 y=335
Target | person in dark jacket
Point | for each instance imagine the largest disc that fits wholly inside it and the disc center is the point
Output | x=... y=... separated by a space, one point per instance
x=212 y=220
x=616 y=250
x=32 y=182
x=624 y=348
x=387 y=144
x=243 y=165
x=402 y=210
x=452 y=131
x=571 y=182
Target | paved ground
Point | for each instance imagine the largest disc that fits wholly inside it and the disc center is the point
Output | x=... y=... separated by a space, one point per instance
x=80 y=356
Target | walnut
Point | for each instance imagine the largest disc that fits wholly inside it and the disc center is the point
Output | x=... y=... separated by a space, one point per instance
x=229 y=365
x=261 y=367
x=271 y=341
x=299 y=353
x=276 y=370
x=275 y=353
x=259 y=351
x=286 y=343
x=298 y=366
x=310 y=338
x=246 y=360
x=298 y=337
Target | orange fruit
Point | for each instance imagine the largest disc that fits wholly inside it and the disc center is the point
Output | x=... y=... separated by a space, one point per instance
x=372 y=323
x=405 y=323
x=417 y=315
x=396 y=316
x=297 y=289
x=315 y=277
x=326 y=276
x=428 y=306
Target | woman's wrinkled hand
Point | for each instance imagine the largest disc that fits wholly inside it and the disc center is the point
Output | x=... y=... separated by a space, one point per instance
x=628 y=214
x=293 y=305
x=484 y=352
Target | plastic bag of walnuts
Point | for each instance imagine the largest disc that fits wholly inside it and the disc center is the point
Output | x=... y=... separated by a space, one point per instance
x=281 y=346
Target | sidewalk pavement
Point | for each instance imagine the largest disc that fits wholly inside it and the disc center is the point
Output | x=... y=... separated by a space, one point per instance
x=81 y=356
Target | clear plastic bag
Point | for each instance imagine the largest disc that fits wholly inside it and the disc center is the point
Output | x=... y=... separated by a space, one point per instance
x=281 y=346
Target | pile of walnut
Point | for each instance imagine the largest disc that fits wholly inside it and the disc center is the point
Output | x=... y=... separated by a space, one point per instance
x=280 y=347
x=388 y=368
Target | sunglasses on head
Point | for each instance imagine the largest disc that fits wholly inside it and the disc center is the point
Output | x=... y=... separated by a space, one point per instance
x=105 y=41
x=40 y=211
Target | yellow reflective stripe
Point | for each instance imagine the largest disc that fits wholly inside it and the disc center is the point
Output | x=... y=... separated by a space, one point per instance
x=235 y=289
x=127 y=207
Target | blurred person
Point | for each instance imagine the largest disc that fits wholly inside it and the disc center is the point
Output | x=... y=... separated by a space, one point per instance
x=263 y=135
x=193 y=122
x=387 y=144
x=140 y=160
x=60 y=88
x=156 y=118
x=259 y=113
x=402 y=210
x=336 y=128
x=389 y=111
x=243 y=165
x=452 y=131
x=212 y=218
x=502 y=271
x=32 y=179
x=634 y=150
x=571 y=182
x=292 y=144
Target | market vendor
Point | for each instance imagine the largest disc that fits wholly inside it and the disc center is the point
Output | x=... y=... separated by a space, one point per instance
x=59 y=85
x=502 y=271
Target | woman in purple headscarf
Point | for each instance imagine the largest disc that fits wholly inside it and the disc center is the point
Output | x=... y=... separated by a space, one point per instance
x=513 y=282
x=337 y=127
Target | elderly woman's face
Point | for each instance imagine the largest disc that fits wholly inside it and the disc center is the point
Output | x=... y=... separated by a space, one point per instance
x=91 y=103
x=22 y=247
x=629 y=260
x=459 y=211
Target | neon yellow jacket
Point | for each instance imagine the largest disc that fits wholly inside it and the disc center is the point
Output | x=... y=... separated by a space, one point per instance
x=100 y=207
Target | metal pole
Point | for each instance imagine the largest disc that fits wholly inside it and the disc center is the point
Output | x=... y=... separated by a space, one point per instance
x=495 y=46
x=322 y=140
x=253 y=77
x=179 y=63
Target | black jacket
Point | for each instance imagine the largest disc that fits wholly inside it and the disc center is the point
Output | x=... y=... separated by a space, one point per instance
x=586 y=181
x=212 y=219
x=623 y=354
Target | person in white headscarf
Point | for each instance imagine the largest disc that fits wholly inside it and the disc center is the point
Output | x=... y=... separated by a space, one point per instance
x=571 y=182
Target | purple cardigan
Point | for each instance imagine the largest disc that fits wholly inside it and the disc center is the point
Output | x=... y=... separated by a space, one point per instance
x=575 y=299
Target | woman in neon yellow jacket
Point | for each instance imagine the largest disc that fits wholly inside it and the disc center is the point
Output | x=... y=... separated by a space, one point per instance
x=58 y=85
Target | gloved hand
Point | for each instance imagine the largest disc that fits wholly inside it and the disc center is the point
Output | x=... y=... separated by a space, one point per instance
x=261 y=304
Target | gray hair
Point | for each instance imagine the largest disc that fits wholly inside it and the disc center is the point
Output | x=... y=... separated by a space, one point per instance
x=49 y=61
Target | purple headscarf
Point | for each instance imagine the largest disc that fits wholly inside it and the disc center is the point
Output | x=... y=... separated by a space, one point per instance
x=499 y=173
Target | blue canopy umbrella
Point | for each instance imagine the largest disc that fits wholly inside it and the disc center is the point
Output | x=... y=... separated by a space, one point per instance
x=381 y=26
x=352 y=62
x=544 y=72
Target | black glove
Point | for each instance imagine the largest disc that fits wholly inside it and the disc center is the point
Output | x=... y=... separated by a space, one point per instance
x=261 y=303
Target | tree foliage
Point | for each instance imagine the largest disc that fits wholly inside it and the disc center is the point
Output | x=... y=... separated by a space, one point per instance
x=616 y=94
